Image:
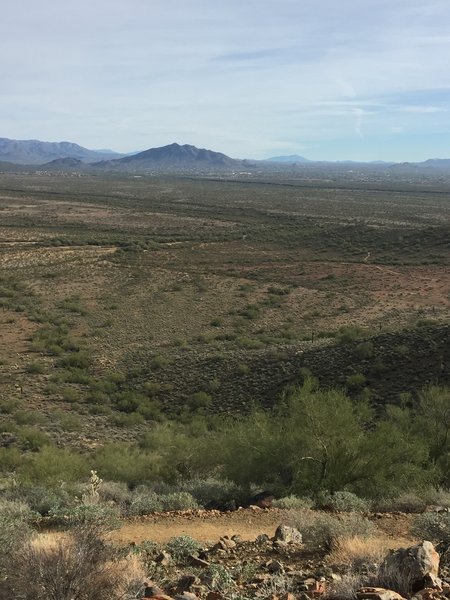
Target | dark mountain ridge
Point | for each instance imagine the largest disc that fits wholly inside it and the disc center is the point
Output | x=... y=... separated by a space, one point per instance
x=172 y=156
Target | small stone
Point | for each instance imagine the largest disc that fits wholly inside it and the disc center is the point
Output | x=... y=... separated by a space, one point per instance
x=186 y=582
x=215 y=596
x=262 y=538
x=163 y=558
x=196 y=561
x=151 y=590
x=274 y=566
x=226 y=543
x=186 y=596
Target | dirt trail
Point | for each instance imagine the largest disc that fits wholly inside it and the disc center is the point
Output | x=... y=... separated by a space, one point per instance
x=210 y=526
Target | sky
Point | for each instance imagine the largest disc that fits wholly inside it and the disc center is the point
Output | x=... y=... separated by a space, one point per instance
x=325 y=79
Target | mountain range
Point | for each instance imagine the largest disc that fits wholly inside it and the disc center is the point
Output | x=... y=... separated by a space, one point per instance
x=173 y=157
x=35 y=152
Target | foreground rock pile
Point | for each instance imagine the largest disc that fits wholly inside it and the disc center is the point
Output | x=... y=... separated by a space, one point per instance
x=282 y=568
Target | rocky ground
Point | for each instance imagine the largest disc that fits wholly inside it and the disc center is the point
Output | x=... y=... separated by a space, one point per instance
x=255 y=553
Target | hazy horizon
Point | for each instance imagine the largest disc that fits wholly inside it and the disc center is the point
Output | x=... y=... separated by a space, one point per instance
x=329 y=81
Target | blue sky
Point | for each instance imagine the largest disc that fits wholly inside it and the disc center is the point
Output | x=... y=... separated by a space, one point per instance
x=327 y=79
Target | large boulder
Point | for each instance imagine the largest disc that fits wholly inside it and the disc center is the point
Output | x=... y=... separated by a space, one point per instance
x=287 y=534
x=410 y=569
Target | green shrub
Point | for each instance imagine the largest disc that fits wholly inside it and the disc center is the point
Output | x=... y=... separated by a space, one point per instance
x=28 y=417
x=51 y=465
x=355 y=381
x=323 y=530
x=211 y=489
x=35 y=367
x=120 y=462
x=434 y=527
x=33 y=439
x=349 y=333
x=158 y=362
x=219 y=578
x=144 y=503
x=14 y=532
x=178 y=501
x=408 y=502
x=181 y=547
x=345 y=502
x=364 y=350
x=127 y=420
x=199 y=400
x=76 y=360
x=293 y=503
x=43 y=499
x=97 y=514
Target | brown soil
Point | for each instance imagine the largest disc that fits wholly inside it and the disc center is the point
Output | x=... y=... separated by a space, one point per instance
x=209 y=526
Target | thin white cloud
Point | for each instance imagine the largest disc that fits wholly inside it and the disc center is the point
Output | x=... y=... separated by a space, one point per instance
x=241 y=77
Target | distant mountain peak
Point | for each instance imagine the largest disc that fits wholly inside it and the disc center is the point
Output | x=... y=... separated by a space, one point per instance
x=291 y=158
x=172 y=156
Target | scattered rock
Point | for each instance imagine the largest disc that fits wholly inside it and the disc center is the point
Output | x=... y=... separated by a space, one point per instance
x=164 y=559
x=290 y=535
x=186 y=582
x=262 y=538
x=151 y=590
x=186 y=596
x=196 y=561
x=7 y=439
x=373 y=593
x=215 y=596
x=225 y=543
x=274 y=566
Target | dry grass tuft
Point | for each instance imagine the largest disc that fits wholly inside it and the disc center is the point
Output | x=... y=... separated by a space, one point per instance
x=357 y=551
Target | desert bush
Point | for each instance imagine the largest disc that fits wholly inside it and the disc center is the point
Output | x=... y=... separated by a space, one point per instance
x=219 y=578
x=276 y=585
x=42 y=499
x=355 y=381
x=178 y=501
x=364 y=349
x=181 y=547
x=35 y=368
x=294 y=503
x=127 y=419
x=14 y=530
x=144 y=503
x=116 y=492
x=98 y=515
x=211 y=489
x=50 y=466
x=359 y=555
x=344 y=502
x=346 y=588
x=325 y=530
x=79 y=566
x=33 y=439
x=121 y=462
x=437 y=496
x=434 y=527
x=348 y=334
x=28 y=417
x=199 y=400
x=408 y=502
